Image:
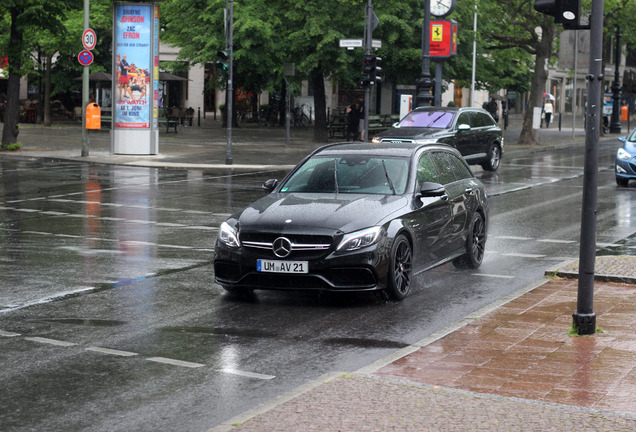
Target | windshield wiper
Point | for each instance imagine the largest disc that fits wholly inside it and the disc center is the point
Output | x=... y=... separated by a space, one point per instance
x=432 y=122
x=388 y=179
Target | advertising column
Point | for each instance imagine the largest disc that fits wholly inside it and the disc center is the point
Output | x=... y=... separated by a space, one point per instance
x=135 y=67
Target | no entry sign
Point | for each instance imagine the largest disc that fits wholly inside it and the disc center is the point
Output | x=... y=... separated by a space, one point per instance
x=85 y=58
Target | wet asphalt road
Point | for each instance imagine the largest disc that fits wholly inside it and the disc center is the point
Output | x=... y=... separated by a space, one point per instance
x=109 y=319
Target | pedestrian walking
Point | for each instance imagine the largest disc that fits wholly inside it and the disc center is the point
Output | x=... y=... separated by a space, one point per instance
x=492 y=108
x=547 y=111
x=353 y=120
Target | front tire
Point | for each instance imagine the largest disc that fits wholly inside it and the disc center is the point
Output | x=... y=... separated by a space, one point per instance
x=494 y=158
x=622 y=181
x=475 y=244
x=401 y=269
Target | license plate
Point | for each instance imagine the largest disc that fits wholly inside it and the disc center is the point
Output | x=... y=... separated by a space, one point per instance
x=273 y=266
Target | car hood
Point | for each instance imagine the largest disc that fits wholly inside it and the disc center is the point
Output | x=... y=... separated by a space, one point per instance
x=413 y=133
x=325 y=213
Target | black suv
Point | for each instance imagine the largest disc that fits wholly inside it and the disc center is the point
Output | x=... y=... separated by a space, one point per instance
x=472 y=131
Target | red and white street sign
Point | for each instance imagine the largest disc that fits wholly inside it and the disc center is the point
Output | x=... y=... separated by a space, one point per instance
x=89 y=39
x=85 y=58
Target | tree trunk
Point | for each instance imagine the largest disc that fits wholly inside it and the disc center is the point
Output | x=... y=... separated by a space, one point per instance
x=321 y=134
x=47 y=92
x=12 y=110
x=544 y=51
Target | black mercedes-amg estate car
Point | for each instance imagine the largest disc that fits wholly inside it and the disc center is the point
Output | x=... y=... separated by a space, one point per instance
x=357 y=217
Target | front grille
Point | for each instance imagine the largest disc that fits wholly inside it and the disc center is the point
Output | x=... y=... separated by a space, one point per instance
x=302 y=246
x=397 y=140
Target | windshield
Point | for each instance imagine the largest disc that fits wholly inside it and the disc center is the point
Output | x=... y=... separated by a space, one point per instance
x=428 y=119
x=354 y=174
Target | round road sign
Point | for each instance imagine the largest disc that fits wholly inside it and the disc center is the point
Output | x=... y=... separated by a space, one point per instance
x=89 y=39
x=85 y=58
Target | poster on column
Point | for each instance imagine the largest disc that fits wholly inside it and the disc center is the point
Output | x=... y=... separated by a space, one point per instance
x=133 y=54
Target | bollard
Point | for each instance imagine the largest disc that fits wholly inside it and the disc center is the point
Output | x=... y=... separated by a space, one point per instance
x=559 y=121
x=199 y=117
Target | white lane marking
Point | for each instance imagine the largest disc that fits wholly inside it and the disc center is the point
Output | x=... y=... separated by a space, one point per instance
x=512 y=238
x=520 y=255
x=8 y=334
x=112 y=351
x=47 y=299
x=606 y=245
x=246 y=374
x=50 y=341
x=493 y=275
x=556 y=241
x=175 y=362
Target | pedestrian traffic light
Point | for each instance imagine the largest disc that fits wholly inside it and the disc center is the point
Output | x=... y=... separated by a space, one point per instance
x=566 y=12
x=223 y=62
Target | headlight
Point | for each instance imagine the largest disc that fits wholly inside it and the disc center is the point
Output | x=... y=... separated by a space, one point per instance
x=228 y=235
x=376 y=140
x=622 y=154
x=360 y=239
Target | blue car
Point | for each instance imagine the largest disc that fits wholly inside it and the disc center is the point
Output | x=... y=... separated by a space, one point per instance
x=626 y=160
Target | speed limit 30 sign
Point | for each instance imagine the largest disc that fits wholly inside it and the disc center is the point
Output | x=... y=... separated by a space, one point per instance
x=89 y=39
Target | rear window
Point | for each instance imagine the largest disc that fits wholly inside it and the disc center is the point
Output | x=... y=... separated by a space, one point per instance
x=428 y=119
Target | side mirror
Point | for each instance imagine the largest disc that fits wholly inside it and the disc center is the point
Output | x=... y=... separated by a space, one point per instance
x=430 y=189
x=622 y=139
x=270 y=185
x=463 y=127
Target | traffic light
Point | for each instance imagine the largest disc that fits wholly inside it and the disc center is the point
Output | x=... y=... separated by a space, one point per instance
x=223 y=62
x=376 y=76
x=370 y=70
x=566 y=12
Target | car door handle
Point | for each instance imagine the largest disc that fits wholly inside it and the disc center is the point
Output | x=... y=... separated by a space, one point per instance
x=469 y=191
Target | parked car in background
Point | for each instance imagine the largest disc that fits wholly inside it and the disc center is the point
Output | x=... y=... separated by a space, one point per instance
x=472 y=131
x=357 y=217
x=625 y=166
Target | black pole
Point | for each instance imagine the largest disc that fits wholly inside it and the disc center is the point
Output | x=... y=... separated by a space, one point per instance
x=367 y=50
x=584 y=319
x=424 y=84
x=615 y=124
x=230 y=92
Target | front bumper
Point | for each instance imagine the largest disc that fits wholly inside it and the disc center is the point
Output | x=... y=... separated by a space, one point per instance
x=363 y=270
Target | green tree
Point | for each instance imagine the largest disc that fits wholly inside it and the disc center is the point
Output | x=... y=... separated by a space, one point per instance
x=21 y=19
x=518 y=27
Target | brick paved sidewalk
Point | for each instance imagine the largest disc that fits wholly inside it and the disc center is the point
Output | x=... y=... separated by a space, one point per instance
x=514 y=368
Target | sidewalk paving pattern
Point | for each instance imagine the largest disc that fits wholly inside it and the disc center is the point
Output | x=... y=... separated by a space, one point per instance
x=514 y=366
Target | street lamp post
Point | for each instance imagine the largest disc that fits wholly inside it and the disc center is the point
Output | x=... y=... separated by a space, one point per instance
x=615 y=124
x=424 y=84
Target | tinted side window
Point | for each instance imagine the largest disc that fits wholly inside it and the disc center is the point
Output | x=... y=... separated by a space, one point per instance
x=478 y=120
x=426 y=170
x=444 y=167
x=463 y=119
x=460 y=168
x=486 y=119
